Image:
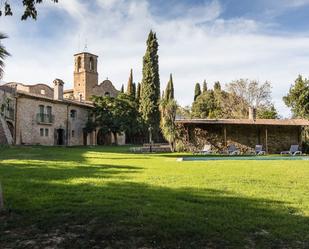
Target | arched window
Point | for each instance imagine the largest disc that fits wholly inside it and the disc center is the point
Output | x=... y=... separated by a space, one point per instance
x=79 y=64
x=91 y=64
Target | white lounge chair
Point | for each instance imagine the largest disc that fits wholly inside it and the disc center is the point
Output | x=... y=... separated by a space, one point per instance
x=206 y=150
x=294 y=150
x=232 y=150
x=259 y=150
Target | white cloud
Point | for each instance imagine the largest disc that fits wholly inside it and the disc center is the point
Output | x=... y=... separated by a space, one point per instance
x=195 y=46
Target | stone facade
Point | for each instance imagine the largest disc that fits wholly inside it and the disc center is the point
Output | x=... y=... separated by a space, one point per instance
x=53 y=116
x=51 y=122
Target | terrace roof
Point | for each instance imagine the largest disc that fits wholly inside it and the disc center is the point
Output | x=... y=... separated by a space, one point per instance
x=278 y=122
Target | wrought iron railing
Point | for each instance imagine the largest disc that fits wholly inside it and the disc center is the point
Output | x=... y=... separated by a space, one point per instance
x=43 y=118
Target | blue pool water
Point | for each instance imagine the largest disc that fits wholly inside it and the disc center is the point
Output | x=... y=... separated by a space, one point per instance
x=255 y=158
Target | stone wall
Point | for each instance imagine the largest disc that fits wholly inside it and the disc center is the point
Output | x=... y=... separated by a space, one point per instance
x=28 y=129
x=105 y=88
x=245 y=137
x=85 y=75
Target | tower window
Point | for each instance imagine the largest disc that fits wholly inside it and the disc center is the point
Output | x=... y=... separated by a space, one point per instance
x=79 y=64
x=91 y=64
x=73 y=114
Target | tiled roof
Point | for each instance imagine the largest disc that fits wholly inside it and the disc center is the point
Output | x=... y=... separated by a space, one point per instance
x=64 y=101
x=287 y=122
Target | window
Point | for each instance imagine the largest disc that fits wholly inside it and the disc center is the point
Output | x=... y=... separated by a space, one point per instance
x=91 y=64
x=46 y=132
x=73 y=133
x=73 y=114
x=107 y=94
x=41 y=108
x=42 y=91
x=49 y=110
x=41 y=132
x=79 y=64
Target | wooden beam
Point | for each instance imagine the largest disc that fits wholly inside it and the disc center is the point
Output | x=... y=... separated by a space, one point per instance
x=225 y=137
x=266 y=139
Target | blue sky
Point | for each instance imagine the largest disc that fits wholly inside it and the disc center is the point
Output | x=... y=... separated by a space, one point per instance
x=203 y=39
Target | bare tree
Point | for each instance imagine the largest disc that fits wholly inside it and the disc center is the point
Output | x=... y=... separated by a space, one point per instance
x=252 y=92
x=244 y=93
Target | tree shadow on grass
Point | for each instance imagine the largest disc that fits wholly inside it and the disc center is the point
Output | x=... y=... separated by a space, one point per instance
x=69 y=154
x=52 y=207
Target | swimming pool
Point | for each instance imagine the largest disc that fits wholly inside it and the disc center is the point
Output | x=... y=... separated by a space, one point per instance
x=236 y=158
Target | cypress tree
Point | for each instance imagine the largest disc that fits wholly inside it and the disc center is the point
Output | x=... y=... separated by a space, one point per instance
x=197 y=90
x=169 y=92
x=134 y=91
x=138 y=91
x=150 y=88
x=122 y=88
x=130 y=90
x=217 y=86
x=205 y=86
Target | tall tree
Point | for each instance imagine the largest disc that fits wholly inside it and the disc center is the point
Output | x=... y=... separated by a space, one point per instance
x=116 y=115
x=205 y=106
x=197 y=90
x=298 y=98
x=205 y=86
x=217 y=86
x=122 y=88
x=134 y=90
x=150 y=89
x=3 y=54
x=30 y=9
x=242 y=94
x=138 y=91
x=168 y=109
x=130 y=87
x=169 y=91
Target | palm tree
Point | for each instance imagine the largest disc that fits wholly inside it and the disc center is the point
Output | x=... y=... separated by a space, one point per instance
x=3 y=54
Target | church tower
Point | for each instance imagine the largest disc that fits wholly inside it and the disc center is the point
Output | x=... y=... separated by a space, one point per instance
x=85 y=75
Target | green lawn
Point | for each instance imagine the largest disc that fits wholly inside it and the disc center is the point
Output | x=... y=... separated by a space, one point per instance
x=105 y=197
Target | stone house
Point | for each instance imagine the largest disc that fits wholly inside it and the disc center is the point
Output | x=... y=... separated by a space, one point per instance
x=42 y=115
x=274 y=134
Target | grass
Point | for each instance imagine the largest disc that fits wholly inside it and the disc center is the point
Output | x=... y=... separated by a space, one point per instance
x=105 y=197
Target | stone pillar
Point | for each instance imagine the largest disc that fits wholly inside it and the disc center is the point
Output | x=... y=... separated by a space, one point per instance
x=252 y=113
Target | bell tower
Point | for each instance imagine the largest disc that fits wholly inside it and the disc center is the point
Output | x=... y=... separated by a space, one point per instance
x=85 y=75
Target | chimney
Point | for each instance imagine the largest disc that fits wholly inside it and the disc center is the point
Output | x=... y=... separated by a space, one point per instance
x=58 y=89
x=252 y=113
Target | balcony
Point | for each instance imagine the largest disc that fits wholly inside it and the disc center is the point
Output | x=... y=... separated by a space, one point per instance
x=44 y=118
x=9 y=113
